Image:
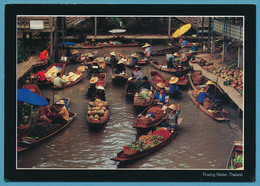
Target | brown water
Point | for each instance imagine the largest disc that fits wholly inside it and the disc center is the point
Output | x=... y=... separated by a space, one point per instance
x=202 y=143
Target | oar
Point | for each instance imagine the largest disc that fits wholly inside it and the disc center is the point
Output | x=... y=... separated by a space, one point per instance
x=224 y=117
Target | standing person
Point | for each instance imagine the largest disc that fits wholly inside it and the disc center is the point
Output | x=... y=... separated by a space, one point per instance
x=134 y=60
x=45 y=113
x=173 y=87
x=62 y=117
x=170 y=60
x=137 y=74
x=113 y=60
x=92 y=90
x=147 y=49
x=57 y=81
x=120 y=68
x=42 y=76
x=160 y=97
x=100 y=93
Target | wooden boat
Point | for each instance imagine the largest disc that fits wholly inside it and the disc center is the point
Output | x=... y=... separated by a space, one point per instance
x=159 y=66
x=49 y=80
x=170 y=50
x=127 y=60
x=123 y=45
x=237 y=150
x=30 y=141
x=120 y=78
x=144 y=102
x=157 y=78
x=121 y=157
x=101 y=80
x=102 y=117
x=25 y=127
x=32 y=87
x=182 y=82
x=215 y=114
x=71 y=83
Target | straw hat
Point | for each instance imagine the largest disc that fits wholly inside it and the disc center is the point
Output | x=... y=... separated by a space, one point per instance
x=144 y=91
x=120 y=61
x=134 y=55
x=183 y=58
x=176 y=54
x=160 y=85
x=129 y=79
x=93 y=39
x=61 y=102
x=179 y=66
x=172 y=106
x=75 y=52
x=210 y=83
x=113 y=54
x=100 y=88
x=146 y=45
x=173 y=80
x=93 y=80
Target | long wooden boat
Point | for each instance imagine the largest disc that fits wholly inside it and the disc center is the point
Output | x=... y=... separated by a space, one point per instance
x=123 y=45
x=71 y=83
x=22 y=130
x=121 y=157
x=87 y=46
x=157 y=78
x=62 y=65
x=215 y=114
x=159 y=66
x=30 y=141
x=120 y=78
x=101 y=80
x=170 y=50
x=32 y=87
x=236 y=151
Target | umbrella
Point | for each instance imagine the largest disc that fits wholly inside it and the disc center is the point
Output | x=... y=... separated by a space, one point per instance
x=117 y=31
x=180 y=31
x=27 y=96
x=68 y=43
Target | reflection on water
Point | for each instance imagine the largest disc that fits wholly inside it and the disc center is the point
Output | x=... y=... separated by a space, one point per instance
x=202 y=143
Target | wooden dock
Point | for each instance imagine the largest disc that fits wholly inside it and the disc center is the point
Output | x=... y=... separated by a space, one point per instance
x=25 y=67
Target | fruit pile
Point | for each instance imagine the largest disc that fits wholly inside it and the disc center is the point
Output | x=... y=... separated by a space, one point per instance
x=97 y=110
x=232 y=75
x=157 y=111
x=142 y=97
x=236 y=162
x=145 y=142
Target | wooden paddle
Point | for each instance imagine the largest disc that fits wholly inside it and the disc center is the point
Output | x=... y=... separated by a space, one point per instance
x=223 y=116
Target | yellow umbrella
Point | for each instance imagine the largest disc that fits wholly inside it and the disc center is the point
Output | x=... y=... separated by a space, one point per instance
x=180 y=31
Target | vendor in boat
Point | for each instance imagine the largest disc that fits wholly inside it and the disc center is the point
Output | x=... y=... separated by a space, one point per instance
x=90 y=57
x=184 y=60
x=74 y=55
x=92 y=90
x=120 y=68
x=193 y=48
x=95 y=68
x=57 y=81
x=45 y=113
x=93 y=42
x=113 y=60
x=179 y=73
x=145 y=84
x=134 y=60
x=42 y=76
x=173 y=87
x=147 y=49
x=160 y=97
x=170 y=60
x=173 y=118
x=212 y=90
x=137 y=74
x=202 y=96
x=100 y=94
x=62 y=115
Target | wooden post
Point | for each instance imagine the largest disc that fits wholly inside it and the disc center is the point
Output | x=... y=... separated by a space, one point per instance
x=202 y=31
x=169 y=27
x=95 y=27
x=209 y=32
x=51 y=45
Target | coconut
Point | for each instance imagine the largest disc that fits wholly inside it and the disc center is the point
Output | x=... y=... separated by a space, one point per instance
x=96 y=116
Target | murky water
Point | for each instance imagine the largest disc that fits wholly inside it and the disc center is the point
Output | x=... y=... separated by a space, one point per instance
x=201 y=144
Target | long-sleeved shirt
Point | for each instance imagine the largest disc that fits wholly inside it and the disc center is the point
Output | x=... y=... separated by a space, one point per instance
x=173 y=88
x=201 y=97
x=58 y=82
x=42 y=75
x=64 y=113
x=137 y=75
x=160 y=97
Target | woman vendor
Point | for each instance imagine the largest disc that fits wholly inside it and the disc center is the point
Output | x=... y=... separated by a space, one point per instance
x=62 y=117
x=137 y=74
x=100 y=93
x=92 y=90
x=134 y=60
x=160 y=97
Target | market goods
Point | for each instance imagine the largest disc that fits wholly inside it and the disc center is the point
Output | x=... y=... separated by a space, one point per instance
x=97 y=112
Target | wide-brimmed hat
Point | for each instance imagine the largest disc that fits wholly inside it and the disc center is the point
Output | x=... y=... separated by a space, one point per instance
x=144 y=92
x=146 y=45
x=193 y=60
x=61 y=102
x=113 y=54
x=173 y=80
x=175 y=54
x=179 y=66
x=183 y=58
x=134 y=55
x=210 y=83
x=129 y=79
x=120 y=61
x=93 y=39
x=172 y=106
x=160 y=85
x=100 y=88
x=75 y=51
x=136 y=66
x=93 y=80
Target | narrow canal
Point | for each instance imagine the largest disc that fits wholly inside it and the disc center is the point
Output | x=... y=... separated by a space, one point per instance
x=202 y=143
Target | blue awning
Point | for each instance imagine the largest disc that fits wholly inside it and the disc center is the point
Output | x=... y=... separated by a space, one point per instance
x=27 y=96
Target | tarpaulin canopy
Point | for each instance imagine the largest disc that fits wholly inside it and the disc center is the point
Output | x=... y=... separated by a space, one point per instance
x=180 y=31
x=68 y=43
x=117 y=31
x=27 y=96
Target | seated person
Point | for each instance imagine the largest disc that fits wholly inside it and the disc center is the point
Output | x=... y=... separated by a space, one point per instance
x=42 y=76
x=62 y=117
x=173 y=87
x=137 y=74
x=57 y=81
x=92 y=90
x=113 y=60
x=134 y=60
x=100 y=94
x=120 y=68
x=147 y=49
x=160 y=97
x=202 y=94
x=44 y=55
x=145 y=84
x=95 y=68
x=173 y=118
x=45 y=113
x=193 y=48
